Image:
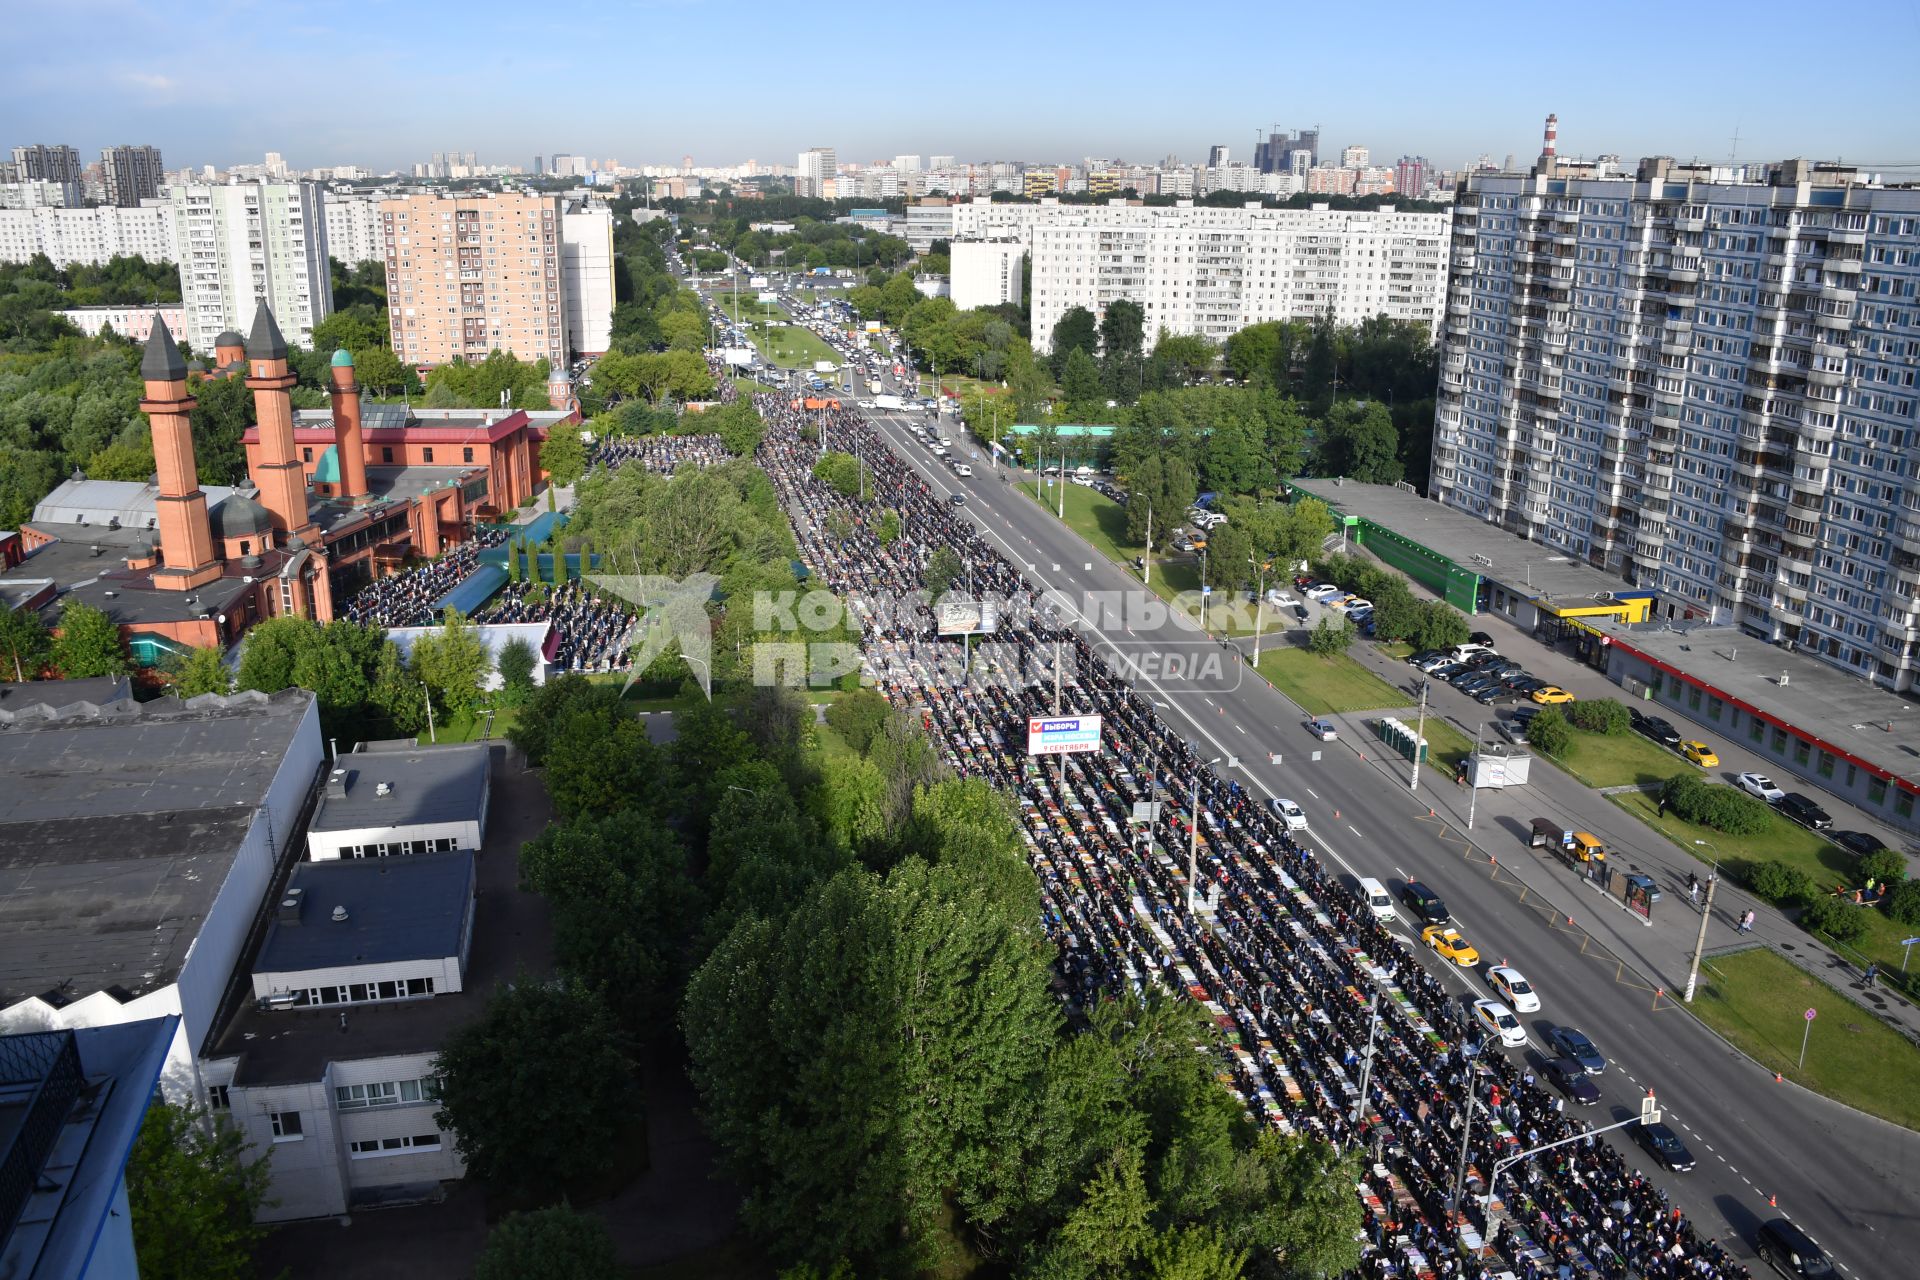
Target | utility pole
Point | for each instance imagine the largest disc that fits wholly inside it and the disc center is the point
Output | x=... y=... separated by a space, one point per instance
x=1366 y=1060
x=1466 y=1132
x=1146 y=552
x=1063 y=482
x=1700 y=941
x=1418 y=734
x=1193 y=833
x=1473 y=789
x=1259 y=608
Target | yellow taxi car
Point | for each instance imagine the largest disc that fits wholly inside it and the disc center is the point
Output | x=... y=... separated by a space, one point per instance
x=1551 y=694
x=1447 y=941
x=1700 y=753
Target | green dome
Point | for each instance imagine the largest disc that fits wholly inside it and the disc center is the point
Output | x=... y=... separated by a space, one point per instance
x=343 y=358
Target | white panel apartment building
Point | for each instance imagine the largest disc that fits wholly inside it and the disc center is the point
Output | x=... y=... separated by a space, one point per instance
x=355 y=233
x=1705 y=386
x=248 y=243
x=986 y=273
x=88 y=237
x=1213 y=271
x=586 y=270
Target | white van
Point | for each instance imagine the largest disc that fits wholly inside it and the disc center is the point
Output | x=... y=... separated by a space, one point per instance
x=1374 y=894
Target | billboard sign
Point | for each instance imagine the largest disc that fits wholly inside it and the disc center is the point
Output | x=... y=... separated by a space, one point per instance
x=1062 y=735
x=954 y=617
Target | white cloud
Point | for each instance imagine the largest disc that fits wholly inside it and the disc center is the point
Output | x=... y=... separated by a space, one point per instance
x=151 y=83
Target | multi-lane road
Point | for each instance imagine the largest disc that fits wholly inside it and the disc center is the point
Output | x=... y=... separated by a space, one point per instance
x=1763 y=1149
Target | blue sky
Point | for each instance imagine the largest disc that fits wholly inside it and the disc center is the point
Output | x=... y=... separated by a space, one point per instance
x=386 y=82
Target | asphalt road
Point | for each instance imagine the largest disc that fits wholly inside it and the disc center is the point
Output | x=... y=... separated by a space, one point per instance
x=1762 y=1149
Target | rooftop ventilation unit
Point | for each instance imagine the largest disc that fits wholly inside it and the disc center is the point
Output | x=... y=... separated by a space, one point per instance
x=290 y=901
x=383 y=789
x=339 y=915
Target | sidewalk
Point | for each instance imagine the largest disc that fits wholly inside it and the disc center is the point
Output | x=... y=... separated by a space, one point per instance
x=1661 y=951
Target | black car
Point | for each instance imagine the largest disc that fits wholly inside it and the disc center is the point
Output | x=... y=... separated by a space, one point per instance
x=1480 y=637
x=1665 y=1146
x=1574 y=1044
x=1571 y=1079
x=1526 y=711
x=1495 y=692
x=1484 y=661
x=1425 y=903
x=1791 y=1252
x=1470 y=679
x=1526 y=684
x=1858 y=843
x=957 y=499
x=1802 y=809
x=1448 y=670
x=1657 y=729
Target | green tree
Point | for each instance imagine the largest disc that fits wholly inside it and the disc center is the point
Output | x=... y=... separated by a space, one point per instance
x=859 y=717
x=1882 y=866
x=555 y=1243
x=563 y=456
x=622 y=901
x=1550 y=733
x=198 y=671
x=193 y=1191
x=1360 y=442
x=1122 y=343
x=25 y=645
x=1164 y=486
x=538 y=1092
x=738 y=425
x=1441 y=626
x=842 y=472
x=516 y=663
x=944 y=570
x=554 y=703
x=380 y=371
x=87 y=643
x=1077 y=330
x=1333 y=636
x=599 y=766
x=452 y=663
x=395 y=700
x=1080 y=379
x=127 y=460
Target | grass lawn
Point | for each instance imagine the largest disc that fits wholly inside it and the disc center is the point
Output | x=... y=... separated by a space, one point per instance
x=1786 y=842
x=470 y=728
x=1323 y=686
x=1446 y=745
x=1619 y=760
x=1758 y=1001
x=790 y=346
x=1395 y=649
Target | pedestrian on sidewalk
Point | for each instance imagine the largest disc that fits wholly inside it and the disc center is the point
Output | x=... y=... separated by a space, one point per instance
x=1693 y=883
x=1694 y=890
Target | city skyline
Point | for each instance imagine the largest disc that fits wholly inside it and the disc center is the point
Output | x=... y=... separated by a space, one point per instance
x=278 y=87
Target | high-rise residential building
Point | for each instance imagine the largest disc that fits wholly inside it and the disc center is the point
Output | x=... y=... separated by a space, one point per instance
x=40 y=162
x=475 y=274
x=276 y=166
x=1275 y=155
x=985 y=273
x=251 y=243
x=586 y=276
x=816 y=167
x=1217 y=156
x=355 y=232
x=1703 y=385
x=1411 y=174
x=34 y=195
x=907 y=164
x=940 y=162
x=88 y=237
x=1355 y=157
x=539 y=165
x=1213 y=271
x=132 y=174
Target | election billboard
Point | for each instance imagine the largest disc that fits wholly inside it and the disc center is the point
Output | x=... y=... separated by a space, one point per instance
x=956 y=617
x=1062 y=735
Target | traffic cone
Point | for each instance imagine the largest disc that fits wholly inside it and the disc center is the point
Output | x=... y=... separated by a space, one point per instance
x=1773 y=1202
x=1778 y=1078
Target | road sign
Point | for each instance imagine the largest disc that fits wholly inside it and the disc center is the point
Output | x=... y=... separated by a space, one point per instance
x=1649 y=1109
x=1206 y=591
x=1812 y=1014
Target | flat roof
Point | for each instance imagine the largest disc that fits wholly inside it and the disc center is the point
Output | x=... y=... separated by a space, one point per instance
x=1862 y=722
x=428 y=784
x=1475 y=545
x=412 y=907
x=128 y=596
x=118 y=828
x=512 y=941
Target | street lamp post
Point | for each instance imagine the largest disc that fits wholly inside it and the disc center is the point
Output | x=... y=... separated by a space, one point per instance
x=1466 y=1131
x=1259 y=606
x=1193 y=830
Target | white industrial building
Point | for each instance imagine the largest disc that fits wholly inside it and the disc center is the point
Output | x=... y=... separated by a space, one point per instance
x=391 y=800
x=136 y=862
x=1213 y=271
x=329 y=1068
x=586 y=269
x=129 y=322
x=356 y=233
x=251 y=243
x=88 y=237
x=985 y=273
x=493 y=637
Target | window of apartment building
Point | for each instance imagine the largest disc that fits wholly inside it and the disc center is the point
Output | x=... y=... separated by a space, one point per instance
x=426 y=454
x=363 y=992
x=387 y=1093
x=218 y=1098
x=1802 y=751
x=1779 y=742
x=285 y=1125
x=372 y=1148
x=466 y=455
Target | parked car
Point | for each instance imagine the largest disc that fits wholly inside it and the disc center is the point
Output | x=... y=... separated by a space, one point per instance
x=1700 y=753
x=1791 y=1252
x=1571 y=1079
x=1481 y=637
x=1760 y=786
x=1550 y=695
x=1657 y=729
x=1435 y=656
x=1290 y=813
x=1447 y=670
x=1526 y=685
x=1525 y=713
x=1514 y=988
x=1492 y=693
x=1858 y=843
x=1803 y=810
x=1665 y=1146
x=1354 y=604
x=1574 y=1044
x=1498 y=1021
x=1425 y=902
x=1433 y=663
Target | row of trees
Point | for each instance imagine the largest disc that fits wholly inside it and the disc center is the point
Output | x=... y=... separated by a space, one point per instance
x=1397 y=614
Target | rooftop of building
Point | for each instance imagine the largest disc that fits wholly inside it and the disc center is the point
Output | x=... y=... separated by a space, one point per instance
x=366 y=911
x=94 y=571
x=1851 y=716
x=54 y=694
x=425 y=785
x=118 y=826
x=512 y=941
x=1471 y=543
x=110 y=505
